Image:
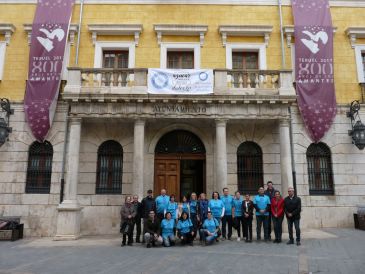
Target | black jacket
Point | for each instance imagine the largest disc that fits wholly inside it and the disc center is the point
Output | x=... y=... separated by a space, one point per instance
x=153 y=227
x=148 y=204
x=293 y=206
x=250 y=209
x=139 y=209
x=269 y=193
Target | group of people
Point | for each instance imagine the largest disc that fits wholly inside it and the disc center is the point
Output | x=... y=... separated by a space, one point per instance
x=165 y=221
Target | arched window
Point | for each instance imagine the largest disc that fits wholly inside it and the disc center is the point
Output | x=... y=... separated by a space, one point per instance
x=249 y=167
x=39 y=170
x=320 y=175
x=110 y=168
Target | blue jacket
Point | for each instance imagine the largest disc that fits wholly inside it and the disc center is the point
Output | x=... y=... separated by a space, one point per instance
x=203 y=209
x=193 y=207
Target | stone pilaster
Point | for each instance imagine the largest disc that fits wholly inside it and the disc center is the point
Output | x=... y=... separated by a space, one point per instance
x=138 y=157
x=285 y=156
x=221 y=155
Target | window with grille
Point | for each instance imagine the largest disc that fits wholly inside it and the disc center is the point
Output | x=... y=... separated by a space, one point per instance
x=320 y=175
x=244 y=61
x=249 y=167
x=180 y=59
x=39 y=170
x=110 y=168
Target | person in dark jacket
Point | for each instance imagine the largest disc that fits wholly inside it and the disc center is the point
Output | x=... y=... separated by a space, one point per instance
x=148 y=204
x=277 y=212
x=247 y=216
x=292 y=208
x=270 y=191
x=137 y=219
x=152 y=230
x=202 y=208
x=127 y=214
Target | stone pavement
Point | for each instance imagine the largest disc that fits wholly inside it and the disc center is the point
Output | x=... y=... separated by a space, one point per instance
x=322 y=251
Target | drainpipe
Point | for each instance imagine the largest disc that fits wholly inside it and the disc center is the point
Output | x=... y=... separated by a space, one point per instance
x=69 y=108
x=283 y=63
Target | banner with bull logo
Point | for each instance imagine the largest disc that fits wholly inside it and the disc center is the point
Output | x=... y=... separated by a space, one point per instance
x=180 y=81
x=314 y=65
x=49 y=36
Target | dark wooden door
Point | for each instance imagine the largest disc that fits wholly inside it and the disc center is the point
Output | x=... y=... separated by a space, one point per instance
x=167 y=176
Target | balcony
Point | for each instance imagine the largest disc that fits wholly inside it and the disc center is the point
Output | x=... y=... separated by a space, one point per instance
x=118 y=85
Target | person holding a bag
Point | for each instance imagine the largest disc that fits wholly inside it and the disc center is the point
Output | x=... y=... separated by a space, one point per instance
x=127 y=213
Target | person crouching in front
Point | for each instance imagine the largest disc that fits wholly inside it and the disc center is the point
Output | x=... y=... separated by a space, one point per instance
x=167 y=226
x=152 y=230
x=209 y=230
x=185 y=229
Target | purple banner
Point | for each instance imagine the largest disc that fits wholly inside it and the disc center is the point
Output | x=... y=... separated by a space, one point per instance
x=314 y=65
x=49 y=36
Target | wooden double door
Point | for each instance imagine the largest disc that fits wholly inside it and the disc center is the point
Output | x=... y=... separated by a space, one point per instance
x=179 y=174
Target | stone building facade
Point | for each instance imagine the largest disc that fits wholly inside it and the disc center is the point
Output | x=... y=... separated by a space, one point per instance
x=250 y=111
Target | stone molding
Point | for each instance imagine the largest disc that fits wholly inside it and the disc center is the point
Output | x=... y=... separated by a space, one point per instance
x=74 y=28
x=7 y=30
x=115 y=29
x=354 y=33
x=245 y=30
x=180 y=30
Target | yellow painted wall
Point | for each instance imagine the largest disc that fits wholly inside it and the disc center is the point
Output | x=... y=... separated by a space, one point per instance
x=148 y=52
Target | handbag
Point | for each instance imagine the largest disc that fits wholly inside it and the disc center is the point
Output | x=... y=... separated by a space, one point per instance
x=125 y=228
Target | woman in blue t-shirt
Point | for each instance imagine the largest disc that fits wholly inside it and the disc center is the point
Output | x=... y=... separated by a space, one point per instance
x=173 y=208
x=193 y=205
x=167 y=228
x=209 y=230
x=216 y=206
x=185 y=206
x=185 y=229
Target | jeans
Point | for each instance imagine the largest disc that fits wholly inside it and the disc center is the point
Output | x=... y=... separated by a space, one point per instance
x=227 y=219
x=169 y=240
x=239 y=222
x=204 y=236
x=296 y=223
x=247 y=228
x=138 y=227
x=151 y=239
x=262 y=220
x=278 y=227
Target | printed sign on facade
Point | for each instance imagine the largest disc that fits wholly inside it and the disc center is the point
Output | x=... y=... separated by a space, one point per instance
x=180 y=81
x=314 y=65
x=49 y=36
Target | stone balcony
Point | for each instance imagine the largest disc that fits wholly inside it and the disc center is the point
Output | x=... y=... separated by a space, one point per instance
x=128 y=85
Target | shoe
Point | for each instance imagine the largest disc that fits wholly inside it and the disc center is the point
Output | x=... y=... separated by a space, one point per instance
x=153 y=244
x=290 y=242
x=298 y=243
x=238 y=239
x=276 y=241
x=267 y=241
x=247 y=241
x=250 y=240
x=223 y=238
x=217 y=240
x=172 y=243
x=191 y=244
x=229 y=239
x=123 y=244
x=148 y=246
x=279 y=241
x=130 y=244
x=138 y=241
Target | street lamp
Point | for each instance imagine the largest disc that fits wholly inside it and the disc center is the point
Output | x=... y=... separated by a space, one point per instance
x=4 y=121
x=358 y=128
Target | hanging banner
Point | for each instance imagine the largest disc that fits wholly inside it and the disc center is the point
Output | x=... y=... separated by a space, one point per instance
x=180 y=81
x=314 y=65
x=49 y=36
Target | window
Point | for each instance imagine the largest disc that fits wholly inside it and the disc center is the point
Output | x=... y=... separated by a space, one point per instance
x=249 y=167
x=115 y=59
x=109 y=168
x=360 y=62
x=243 y=61
x=320 y=175
x=180 y=60
x=39 y=170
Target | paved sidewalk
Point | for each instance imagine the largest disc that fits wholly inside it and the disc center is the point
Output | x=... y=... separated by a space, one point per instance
x=322 y=251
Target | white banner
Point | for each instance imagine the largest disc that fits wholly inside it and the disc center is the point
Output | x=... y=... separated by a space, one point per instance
x=180 y=81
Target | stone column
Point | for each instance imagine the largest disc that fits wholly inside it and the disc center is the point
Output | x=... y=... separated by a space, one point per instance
x=221 y=155
x=68 y=220
x=138 y=158
x=285 y=156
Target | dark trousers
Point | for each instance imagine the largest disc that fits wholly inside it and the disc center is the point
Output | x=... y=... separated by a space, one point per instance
x=247 y=228
x=269 y=225
x=186 y=238
x=296 y=223
x=227 y=219
x=262 y=220
x=137 y=224
x=239 y=222
x=160 y=216
x=278 y=227
x=194 y=221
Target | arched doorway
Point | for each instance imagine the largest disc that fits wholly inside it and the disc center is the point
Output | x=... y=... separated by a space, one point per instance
x=179 y=164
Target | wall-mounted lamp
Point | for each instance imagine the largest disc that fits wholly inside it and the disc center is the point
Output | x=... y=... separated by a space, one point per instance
x=4 y=121
x=358 y=128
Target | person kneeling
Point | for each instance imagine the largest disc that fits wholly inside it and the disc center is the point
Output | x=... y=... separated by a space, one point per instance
x=209 y=231
x=168 y=235
x=152 y=229
x=185 y=229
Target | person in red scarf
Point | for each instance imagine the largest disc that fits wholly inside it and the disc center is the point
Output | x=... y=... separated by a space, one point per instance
x=277 y=212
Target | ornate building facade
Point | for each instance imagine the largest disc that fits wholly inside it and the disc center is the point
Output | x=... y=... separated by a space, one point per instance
x=111 y=138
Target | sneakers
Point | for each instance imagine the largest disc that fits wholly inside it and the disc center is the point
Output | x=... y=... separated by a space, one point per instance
x=148 y=246
x=238 y=239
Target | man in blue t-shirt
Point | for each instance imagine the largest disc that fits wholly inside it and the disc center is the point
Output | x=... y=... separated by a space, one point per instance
x=227 y=218
x=161 y=204
x=262 y=205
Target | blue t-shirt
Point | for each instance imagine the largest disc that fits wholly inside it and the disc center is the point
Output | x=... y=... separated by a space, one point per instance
x=237 y=204
x=227 y=201
x=184 y=226
x=172 y=207
x=211 y=225
x=185 y=208
x=161 y=203
x=261 y=202
x=193 y=206
x=216 y=207
x=167 y=227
